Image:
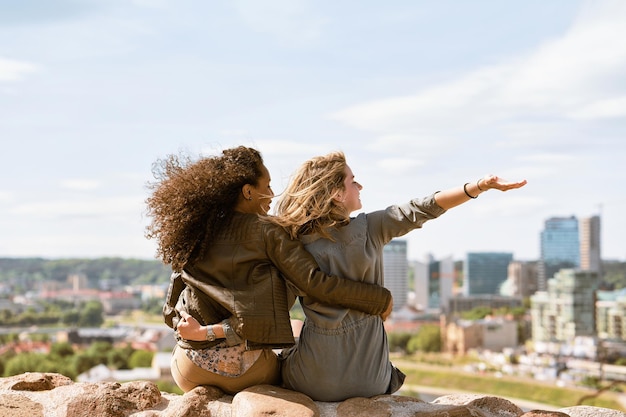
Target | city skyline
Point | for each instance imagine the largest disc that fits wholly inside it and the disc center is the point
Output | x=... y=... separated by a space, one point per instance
x=421 y=96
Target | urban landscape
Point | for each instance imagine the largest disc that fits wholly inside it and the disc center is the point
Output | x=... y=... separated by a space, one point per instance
x=555 y=320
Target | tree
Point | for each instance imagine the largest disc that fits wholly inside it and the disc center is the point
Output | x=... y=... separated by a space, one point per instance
x=61 y=350
x=398 y=341
x=427 y=339
x=92 y=314
x=119 y=358
x=70 y=317
x=26 y=362
x=477 y=313
x=141 y=359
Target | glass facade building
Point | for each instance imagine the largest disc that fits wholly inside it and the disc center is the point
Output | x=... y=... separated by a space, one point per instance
x=485 y=272
x=560 y=248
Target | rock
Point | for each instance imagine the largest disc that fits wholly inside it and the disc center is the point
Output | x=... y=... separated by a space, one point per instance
x=587 y=411
x=488 y=406
x=54 y=395
x=541 y=413
x=268 y=400
x=19 y=406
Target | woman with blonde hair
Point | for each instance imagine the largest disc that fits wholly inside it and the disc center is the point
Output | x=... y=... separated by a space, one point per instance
x=343 y=353
x=227 y=299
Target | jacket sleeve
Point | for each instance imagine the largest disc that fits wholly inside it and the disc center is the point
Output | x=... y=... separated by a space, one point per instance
x=300 y=269
x=170 y=315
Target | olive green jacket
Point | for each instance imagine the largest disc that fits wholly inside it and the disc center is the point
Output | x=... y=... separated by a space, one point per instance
x=243 y=275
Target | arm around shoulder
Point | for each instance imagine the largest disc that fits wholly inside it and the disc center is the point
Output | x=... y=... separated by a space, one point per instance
x=299 y=267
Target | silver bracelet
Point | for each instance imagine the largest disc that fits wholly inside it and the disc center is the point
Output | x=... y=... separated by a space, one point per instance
x=210 y=334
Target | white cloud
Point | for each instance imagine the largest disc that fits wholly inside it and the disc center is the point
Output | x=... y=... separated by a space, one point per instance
x=571 y=76
x=601 y=109
x=13 y=70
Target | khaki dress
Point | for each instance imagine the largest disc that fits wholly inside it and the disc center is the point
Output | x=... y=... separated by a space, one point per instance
x=343 y=353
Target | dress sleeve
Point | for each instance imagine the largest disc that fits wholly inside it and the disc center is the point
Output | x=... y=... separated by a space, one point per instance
x=299 y=268
x=398 y=220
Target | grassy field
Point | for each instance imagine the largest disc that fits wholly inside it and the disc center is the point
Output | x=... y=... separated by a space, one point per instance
x=453 y=378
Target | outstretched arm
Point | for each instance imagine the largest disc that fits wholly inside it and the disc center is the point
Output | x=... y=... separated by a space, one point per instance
x=453 y=197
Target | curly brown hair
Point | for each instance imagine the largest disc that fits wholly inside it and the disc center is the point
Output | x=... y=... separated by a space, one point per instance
x=192 y=200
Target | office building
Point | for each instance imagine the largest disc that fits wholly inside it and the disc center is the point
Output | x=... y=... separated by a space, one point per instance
x=590 y=256
x=560 y=248
x=396 y=266
x=521 y=279
x=611 y=315
x=433 y=283
x=565 y=311
x=420 y=296
x=441 y=281
x=485 y=272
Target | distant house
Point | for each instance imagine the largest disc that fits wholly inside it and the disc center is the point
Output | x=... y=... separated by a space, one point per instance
x=87 y=336
x=459 y=336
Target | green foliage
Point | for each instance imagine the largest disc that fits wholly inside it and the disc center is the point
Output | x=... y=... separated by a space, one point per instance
x=153 y=306
x=614 y=274
x=64 y=359
x=141 y=359
x=296 y=312
x=23 y=273
x=119 y=358
x=398 y=341
x=91 y=315
x=26 y=362
x=61 y=350
x=82 y=362
x=591 y=382
x=168 y=386
x=427 y=339
x=502 y=387
x=477 y=313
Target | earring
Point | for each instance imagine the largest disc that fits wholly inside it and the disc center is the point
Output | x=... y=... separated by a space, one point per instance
x=250 y=198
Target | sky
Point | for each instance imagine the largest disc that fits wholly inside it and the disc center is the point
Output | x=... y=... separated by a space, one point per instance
x=420 y=95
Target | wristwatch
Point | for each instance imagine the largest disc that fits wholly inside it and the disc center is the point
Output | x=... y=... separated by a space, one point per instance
x=210 y=335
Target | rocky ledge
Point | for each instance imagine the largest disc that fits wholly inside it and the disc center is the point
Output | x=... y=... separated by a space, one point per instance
x=55 y=395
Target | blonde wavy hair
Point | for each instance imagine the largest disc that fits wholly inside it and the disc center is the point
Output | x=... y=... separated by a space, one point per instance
x=307 y=204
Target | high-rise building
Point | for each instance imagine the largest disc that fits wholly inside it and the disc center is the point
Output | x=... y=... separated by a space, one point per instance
x=560 y=248
x=521 y=280
x=441 y=281
x=590 y=256
x=420 y=294
x=567 y=309
x=433 y=282
x=396 y=266
x=485 y=272
x=611 y=315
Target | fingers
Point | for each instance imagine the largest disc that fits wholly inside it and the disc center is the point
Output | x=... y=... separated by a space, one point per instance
x=185 y=315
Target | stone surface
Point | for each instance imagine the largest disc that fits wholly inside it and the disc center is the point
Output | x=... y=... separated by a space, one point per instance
x=54 y=395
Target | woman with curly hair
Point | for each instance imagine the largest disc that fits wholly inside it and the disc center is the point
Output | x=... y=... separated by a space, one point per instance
x=229 y=269
x=316 y=208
